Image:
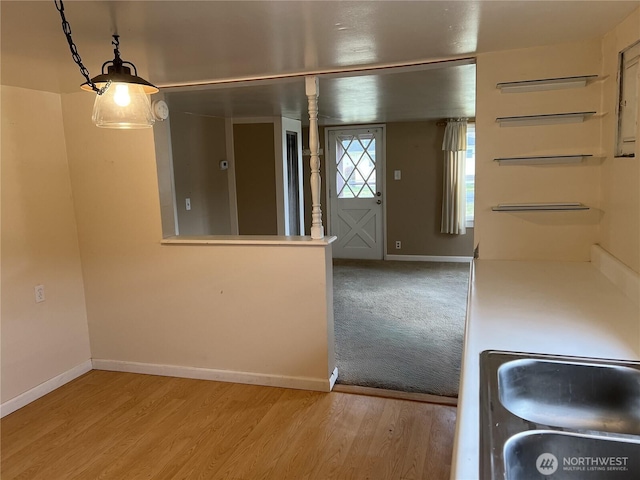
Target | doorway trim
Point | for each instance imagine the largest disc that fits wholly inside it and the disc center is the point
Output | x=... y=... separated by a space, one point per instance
x=283 y=125
x=326 y=172
x=280 y=127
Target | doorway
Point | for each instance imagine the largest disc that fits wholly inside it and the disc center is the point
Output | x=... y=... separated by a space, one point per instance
x=356 y=187
x=289 y=176
x=399 y=320
x=294 y=193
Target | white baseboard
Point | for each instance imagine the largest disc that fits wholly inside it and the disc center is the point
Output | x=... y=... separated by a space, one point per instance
x=41 y=390
x=620 y=275
x=300 y=383
x=333 y=378
x=428 y=258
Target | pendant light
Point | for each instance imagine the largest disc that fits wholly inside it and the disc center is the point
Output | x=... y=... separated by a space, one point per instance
x=125 y=103
x=122 y=99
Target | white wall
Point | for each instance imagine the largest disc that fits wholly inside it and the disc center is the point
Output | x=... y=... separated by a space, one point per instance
x=251 y=309
x=537 y=236
x=620 y=192
x=39 y=246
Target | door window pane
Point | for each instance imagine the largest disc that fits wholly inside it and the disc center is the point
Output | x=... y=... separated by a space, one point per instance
x=356 y=166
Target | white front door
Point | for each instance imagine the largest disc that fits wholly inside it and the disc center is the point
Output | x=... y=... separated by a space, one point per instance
x=355 y=192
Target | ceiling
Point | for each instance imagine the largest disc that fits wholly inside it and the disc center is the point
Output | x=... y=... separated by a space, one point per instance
x=186 y=42
x=390 y=95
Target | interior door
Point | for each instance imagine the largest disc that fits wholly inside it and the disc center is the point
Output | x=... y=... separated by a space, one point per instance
x=355 y=192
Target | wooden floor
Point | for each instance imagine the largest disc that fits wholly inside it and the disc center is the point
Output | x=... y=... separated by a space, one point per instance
x=121 y=426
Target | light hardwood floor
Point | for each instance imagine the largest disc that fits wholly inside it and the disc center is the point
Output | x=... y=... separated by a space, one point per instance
x=121 y=426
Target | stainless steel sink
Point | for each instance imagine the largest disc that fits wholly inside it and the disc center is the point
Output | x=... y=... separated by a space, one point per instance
x=587 y=396
x=545 y=409
x=561 y=455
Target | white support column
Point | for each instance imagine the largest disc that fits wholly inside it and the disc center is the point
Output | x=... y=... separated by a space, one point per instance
x=312 y=91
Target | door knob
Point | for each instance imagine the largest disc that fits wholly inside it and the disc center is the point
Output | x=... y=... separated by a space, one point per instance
x=379 y=202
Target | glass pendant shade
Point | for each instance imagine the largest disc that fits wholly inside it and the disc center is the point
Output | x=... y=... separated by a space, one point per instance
x=122 y=99
x=124 y=106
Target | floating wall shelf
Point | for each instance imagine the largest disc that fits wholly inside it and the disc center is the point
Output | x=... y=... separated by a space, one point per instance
x=547 y=119
x=545 y=84
x=539 y=207
x=547 y=160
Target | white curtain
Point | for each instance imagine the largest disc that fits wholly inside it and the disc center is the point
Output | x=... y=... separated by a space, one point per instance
x=454 y=198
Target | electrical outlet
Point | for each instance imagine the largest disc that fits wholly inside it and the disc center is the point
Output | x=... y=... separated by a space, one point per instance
x=397 y=174
x=39 y=289
x=187 y=203
x=398 y=244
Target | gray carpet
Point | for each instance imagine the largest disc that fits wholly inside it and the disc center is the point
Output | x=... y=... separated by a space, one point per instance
x=400 y=325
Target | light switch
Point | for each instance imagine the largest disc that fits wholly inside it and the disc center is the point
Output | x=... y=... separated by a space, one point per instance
x=187 y=203
x=397 y=174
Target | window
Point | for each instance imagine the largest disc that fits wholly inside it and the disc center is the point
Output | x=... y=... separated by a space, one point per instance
x=628 y=101
x=356 y=166
x=470 y=173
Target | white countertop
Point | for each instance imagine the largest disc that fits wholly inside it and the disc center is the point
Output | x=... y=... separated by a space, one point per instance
x=289 y=241
x=565 y=308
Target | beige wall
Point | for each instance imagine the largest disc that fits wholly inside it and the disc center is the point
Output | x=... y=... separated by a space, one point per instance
x=199 y=145
x=414 y=203
x=39 y=246
x=536 y=236
x=620 y=189
x=254 y=309
x=254 y=156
